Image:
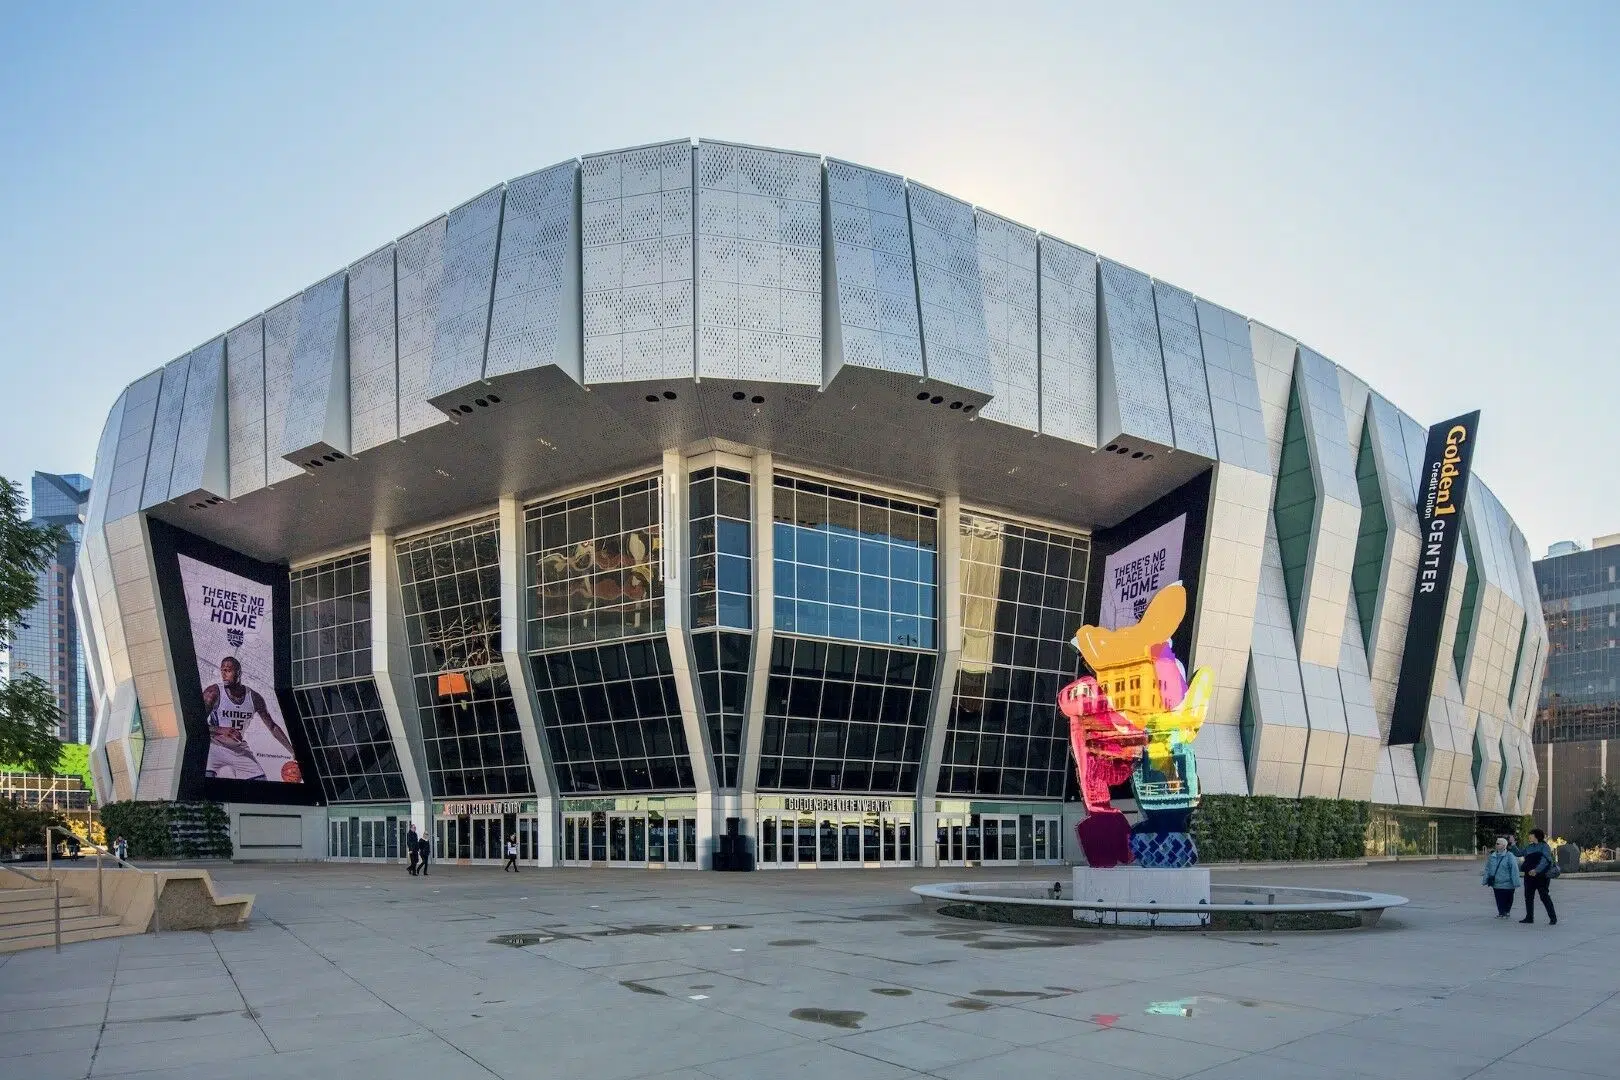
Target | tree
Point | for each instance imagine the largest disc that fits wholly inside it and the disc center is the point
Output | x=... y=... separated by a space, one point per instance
x=29 y=716
x=1597 y=824
x=23 y=825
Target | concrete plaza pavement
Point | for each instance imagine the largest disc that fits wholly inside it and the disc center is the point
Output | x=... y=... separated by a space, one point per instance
x=357 y=972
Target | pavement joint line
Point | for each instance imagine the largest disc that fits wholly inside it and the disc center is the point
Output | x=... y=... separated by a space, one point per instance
x=106 y=1011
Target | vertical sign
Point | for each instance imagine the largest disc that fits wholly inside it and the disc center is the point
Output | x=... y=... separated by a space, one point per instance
x=1137 y=571
x=1442 y=486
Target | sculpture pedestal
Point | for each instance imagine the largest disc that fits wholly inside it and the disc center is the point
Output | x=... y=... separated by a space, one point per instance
x=1137 y=885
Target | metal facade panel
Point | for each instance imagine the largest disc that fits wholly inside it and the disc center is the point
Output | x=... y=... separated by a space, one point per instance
x=1183 y=351
x=1273 y=354
x=318 y=397
x=873 y=306
x=637 y=224
x=1008 y=268
x=534 y=319
x=759 y=268
x=419 y=275
x=201 y=453
x=1337 y=521
x=1133 y=400
x=1234 y=393
x=1364 y=742
x=244 y=406
x=1277 y=695
x=1068 y=341
x=950 y=292
x=1402 y=547
x=280 y=342
x=1353 y=392
x=1325 y=748
x=471 y=238
x=165 y=432
x=134 y=443
x=373 y=353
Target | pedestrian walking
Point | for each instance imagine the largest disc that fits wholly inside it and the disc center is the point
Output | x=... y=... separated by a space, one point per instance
x=411 y=850
x=511 y=854
x=1502 y=876
x=1539 y=869
x=422 y=851
x=121 y=849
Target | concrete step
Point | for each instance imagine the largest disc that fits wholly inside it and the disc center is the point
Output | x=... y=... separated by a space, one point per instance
x=79 y=919
x=72 y=907
x=33 y=900
x=23 y=896
x=46 y=940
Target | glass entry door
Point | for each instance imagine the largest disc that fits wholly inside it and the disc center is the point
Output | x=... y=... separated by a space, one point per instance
x=809 y=840
x=629 y=838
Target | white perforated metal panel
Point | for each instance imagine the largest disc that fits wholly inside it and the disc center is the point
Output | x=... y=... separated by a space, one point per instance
x=876 y=294
x=637 y=222
x=244 y=405
x=1068 y=342
x=471 y=237
x=1011 y=301
x=1132 y=398
x=1184 y=370
x=950 y=292
x=419 y=271
x=373 y=355
x=317 y=403
x=165 y=432
x=280 y=341
x=134 y=442
x=534 y=319
x=201 y=451
x=759 y=264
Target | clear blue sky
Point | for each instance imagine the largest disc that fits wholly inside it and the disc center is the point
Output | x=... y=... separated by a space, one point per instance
x=1430 y=197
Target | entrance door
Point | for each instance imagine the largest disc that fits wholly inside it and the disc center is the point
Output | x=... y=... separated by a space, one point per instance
x=948 y=840
x=528 y=830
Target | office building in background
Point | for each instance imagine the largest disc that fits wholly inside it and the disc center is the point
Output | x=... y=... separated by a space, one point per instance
x=48 y=644
x=697 y=498
x=1578 y=719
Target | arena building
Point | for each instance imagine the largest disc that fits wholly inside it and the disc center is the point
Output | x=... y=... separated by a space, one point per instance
x=701 y=489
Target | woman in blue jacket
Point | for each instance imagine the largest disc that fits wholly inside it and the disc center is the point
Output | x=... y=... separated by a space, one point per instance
x=1502 y=875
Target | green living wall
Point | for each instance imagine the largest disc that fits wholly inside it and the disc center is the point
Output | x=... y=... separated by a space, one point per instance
x=169 y=830
x=1261 y=828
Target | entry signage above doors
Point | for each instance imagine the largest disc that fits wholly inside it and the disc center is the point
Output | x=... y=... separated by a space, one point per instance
x=472 y=809
x=817 y=804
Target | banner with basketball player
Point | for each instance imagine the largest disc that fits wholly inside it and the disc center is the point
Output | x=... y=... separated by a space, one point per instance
x=233 y=635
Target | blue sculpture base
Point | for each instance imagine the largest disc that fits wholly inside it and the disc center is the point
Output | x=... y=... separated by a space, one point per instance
x=1163 y=850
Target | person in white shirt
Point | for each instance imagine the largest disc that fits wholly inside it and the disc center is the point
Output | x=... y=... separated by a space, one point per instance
x=511 y=854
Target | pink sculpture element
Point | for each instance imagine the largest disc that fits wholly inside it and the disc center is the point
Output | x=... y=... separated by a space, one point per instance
x=1172 y=677
x=1106 y=745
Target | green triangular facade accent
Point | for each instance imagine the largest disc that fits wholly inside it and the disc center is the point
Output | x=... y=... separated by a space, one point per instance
x=1501 y=781
x=1465 y=619
x=1479 y=758
x=1420 y=754
x=1518 y=659
x=1246 y=724
x=1367 y=576
x=1294 y=507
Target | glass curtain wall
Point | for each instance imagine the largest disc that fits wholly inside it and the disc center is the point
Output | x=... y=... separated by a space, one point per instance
x=1023 y=595
x=337 y=697
x=450 y=589
x=852 y=666
x=722 y=604
x=603 y=674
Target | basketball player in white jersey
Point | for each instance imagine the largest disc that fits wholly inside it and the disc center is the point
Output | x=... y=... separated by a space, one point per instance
x=231 y=707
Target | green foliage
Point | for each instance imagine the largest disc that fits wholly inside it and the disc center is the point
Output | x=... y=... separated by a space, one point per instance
x=73 y=761
x=29 y=717
x=169 y=830
x=1261 y=828
x=1597 y=824
x=22 y=826
x=1487 y=827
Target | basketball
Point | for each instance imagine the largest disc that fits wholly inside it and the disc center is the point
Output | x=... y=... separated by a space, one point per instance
x=291 y=774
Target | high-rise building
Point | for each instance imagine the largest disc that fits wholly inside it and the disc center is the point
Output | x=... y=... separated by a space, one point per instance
x=47 y=644
x=1578 y=719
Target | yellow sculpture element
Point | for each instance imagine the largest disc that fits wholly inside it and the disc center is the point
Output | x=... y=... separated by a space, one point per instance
x=1139 y=674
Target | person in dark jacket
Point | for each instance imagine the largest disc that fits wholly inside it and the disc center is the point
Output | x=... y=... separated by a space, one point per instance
x=422 y=850
x=1502 y=876
x=1538 y=868
x=411 y=851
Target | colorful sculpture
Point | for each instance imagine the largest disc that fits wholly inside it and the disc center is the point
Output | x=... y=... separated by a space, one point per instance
x=1137 y=719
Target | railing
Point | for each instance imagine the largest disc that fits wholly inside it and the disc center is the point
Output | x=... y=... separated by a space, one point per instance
x=100 y=853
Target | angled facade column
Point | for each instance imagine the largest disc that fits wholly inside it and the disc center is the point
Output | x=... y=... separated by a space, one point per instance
x=396 y=689
x=677 y=541
x=515 y=655
x=950 y=660
x=763 y=493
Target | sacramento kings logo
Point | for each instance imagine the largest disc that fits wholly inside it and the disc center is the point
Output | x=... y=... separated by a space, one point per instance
x=235 y=636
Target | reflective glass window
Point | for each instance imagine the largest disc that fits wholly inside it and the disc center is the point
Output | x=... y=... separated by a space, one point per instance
x=1023 y=595
x=596 y=565
x=722 y=661
x=450 y=586
x=721 y=549
x=331 y=620
x=854 y=565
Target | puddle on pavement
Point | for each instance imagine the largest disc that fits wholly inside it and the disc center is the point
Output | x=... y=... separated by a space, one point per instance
x=971 y=1006
x=839 y=1018
x=882 y=917
x=660 y=928
x=641 y=988
x=791 y=941
x=1002 y=946
x=519 y=941
x=1063 y=989
x=701 y=986
x=891 y=991
x=1183 y=1007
